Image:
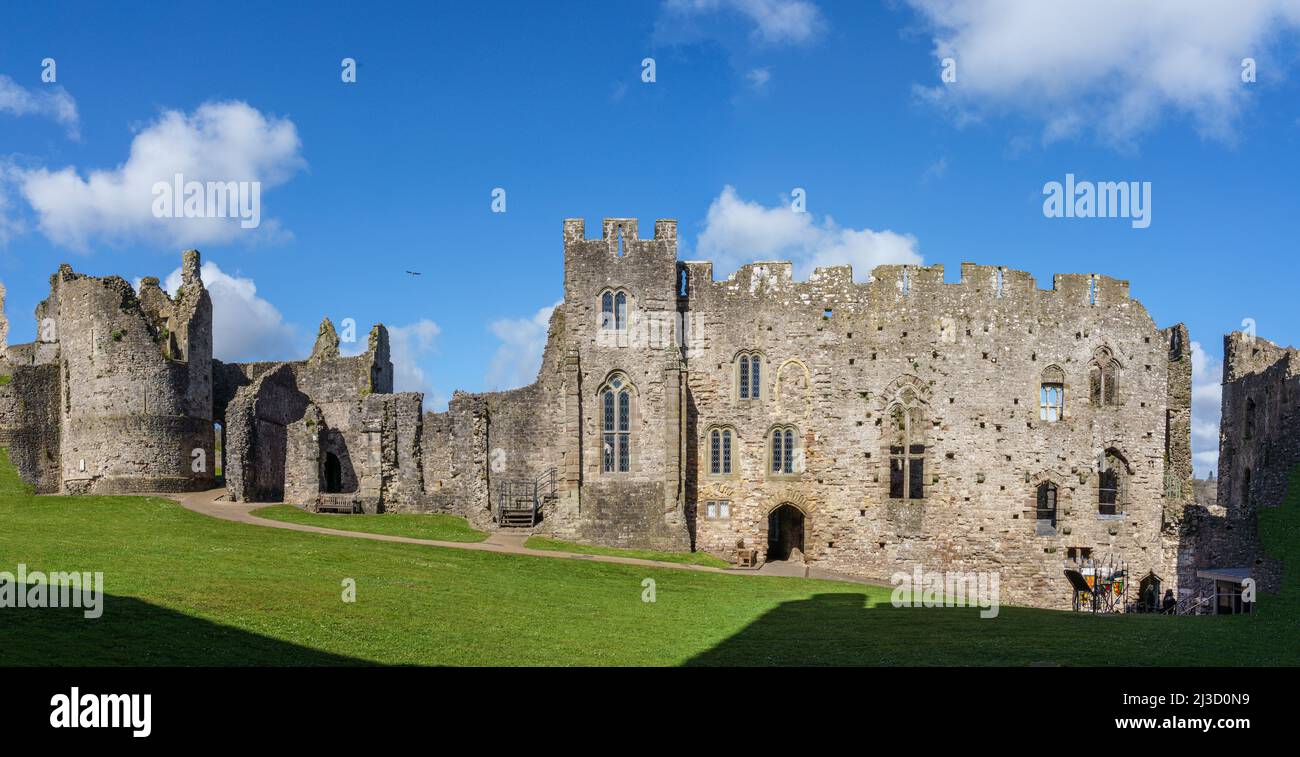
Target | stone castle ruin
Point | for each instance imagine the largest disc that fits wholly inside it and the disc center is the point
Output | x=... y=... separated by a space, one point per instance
x=983 y=425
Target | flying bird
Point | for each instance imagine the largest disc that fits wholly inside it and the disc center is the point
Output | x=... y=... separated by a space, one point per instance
x=415 y=273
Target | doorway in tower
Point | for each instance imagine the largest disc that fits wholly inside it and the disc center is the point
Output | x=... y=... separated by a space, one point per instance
x=333 y=474
x=785 y=528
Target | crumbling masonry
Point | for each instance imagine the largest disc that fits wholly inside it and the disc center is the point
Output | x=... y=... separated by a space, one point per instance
x=984 y=425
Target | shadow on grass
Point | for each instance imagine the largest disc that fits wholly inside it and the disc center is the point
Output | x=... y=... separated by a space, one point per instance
x=135 y=633
x=843 y=629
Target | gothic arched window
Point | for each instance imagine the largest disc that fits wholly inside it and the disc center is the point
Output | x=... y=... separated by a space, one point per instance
x=720 y=452
x=1111 y=484
x=1051 y=395
x=616 y=425
x=906 y=452
x=1103 y=379
x=749 y=375
x=1046 y=510
x=613 y=310
x=783 y=457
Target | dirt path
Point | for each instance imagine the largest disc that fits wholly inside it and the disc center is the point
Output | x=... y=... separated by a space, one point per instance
x=208 y=503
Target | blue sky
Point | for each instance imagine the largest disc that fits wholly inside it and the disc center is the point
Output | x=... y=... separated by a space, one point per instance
x=364 y=181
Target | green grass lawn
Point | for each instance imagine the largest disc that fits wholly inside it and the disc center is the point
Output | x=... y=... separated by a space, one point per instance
x=418 y=526
x=186 y=589
x=687 y=558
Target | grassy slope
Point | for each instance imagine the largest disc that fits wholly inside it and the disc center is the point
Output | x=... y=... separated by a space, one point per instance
x=426 y=526
x=188 y=589
x=688 y=558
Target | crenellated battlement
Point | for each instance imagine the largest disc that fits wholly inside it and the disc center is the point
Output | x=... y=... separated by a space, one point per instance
x=575 y=230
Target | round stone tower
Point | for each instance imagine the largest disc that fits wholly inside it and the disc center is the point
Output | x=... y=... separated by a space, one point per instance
x=136 y=380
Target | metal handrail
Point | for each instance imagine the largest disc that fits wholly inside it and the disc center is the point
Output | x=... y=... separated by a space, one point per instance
x=513 y=490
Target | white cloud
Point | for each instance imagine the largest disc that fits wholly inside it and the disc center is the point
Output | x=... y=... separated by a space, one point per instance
x=1207 y=391
x=936 y=170
x=1112 y=66
x=738 y=231
x=220 y=141
x=245 y=327
x=519 y=356
x=408 y=346
x=758 y=78
x=51 y=102
x=776 y=22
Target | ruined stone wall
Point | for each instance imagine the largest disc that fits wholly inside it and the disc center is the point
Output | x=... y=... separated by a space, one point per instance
x=454 y=447
x=29 y=423
x=257 y=427
x=483 y=440
x=338 y=388
x=1259 y=445
x=971 y=357
x=303 y=463
x=137 y=392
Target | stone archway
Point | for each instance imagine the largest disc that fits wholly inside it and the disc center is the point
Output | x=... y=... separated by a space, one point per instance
x=786 y=529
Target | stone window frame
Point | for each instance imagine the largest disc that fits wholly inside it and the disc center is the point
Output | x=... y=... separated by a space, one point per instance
x=1044 y=487
x=618 y=382
x=707 y=453
x=794 y=454
x=763 y=388
x=720 y=505
x=912 y=392
x=1064 y=495
x=1105 y=379
x=604 y=321
x=1123 y=484
x=1052 y=376
x=915 y=421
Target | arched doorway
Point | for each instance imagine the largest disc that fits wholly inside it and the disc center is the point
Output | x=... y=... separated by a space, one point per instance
x=785 y=528
x=333 y=474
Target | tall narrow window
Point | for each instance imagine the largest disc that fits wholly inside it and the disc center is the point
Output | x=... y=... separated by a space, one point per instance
x=609 y=432
x=1046 y=508
x=1103 y=379
x=624 y=430
x=1249 y=431
x=607 y=310
x=1051 y=395
x=748 y=375
x=906 y=454
x=620 y=311
x=616 y=426
x=1109 y=485
x=783 y=445
x=720 y=451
